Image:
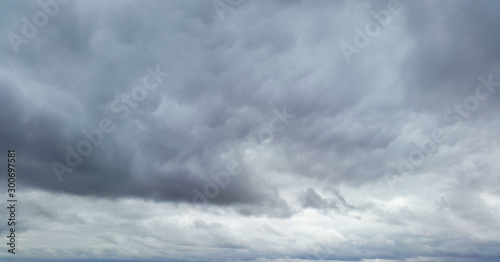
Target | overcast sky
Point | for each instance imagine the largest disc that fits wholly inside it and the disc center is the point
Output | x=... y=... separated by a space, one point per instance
x=238 y=130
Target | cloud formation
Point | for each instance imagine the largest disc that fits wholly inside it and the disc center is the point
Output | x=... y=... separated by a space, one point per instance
x=206 y=166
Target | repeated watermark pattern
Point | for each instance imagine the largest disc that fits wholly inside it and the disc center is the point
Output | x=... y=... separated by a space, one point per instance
x=454 y=115
x=251 y=145
x=120 y=106
x=372 y=29
x=39 y=19
x=429 y=146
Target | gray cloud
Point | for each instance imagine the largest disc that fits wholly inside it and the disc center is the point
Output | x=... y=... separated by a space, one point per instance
x=320 y=182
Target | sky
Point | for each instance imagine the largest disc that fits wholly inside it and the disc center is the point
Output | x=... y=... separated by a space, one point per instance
x=251 y=130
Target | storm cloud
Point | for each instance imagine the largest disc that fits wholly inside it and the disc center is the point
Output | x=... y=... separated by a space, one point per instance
x=253 y=130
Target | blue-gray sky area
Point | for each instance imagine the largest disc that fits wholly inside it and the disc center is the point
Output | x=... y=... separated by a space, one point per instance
x=241 y=130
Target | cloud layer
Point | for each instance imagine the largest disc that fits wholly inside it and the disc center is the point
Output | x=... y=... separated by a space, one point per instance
x=243 y=131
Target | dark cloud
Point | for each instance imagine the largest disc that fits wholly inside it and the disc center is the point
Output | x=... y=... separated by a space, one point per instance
x=221 y=108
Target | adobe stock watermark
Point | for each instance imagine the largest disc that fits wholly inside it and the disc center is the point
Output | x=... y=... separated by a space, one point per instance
x=252 y=144
x=120 y=106
x=455 y=116
x=372 y=29
x=223 y=7
x=30 y=28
